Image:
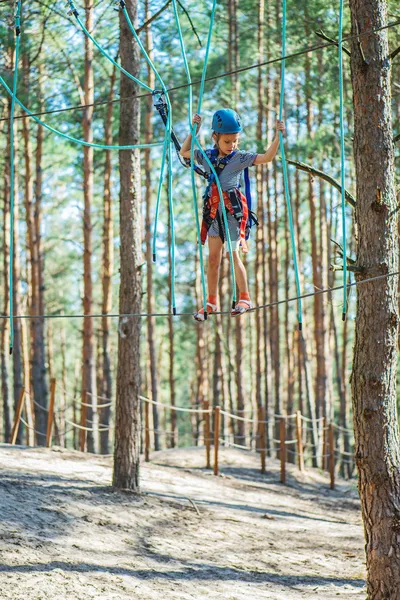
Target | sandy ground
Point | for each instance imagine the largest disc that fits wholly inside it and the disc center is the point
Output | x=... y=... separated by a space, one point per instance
x=66 y=535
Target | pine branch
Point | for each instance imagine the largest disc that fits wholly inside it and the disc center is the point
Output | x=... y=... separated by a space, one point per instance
x=322 y=35
x=396 y=138
x=395 y=53
x=317 y=173
x=190 y=21
x=154 y=17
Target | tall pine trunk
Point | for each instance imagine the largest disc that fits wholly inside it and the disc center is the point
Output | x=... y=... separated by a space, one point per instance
x=108 y=265
x=152 y=362
x=127 y=418
x=88 y=365
x=377 y=321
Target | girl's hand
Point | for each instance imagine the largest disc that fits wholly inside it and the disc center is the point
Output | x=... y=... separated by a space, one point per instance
x=280 y=126
x=197 y=120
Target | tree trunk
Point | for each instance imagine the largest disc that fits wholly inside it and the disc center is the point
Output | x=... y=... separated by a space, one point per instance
x=375 y=350
x=88 y=366
x=127 y=418
x=152 y=363
x=171 y=336
x=108 y=265
x=40 y=384
x=5 y=333
x=16 y=292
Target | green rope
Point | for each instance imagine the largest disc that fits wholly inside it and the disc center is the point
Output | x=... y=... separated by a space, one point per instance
x=195 y=141
x=12 y=171
x=285 y=171
x=342 y=160
x=73 y=11
x=69 y=137
x=166 y=149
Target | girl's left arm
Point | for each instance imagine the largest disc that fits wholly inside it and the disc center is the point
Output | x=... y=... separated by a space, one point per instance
x=185 y=150
x=270 y=154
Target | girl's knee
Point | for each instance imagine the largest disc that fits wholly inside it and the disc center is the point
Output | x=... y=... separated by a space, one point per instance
x=235 y=255
x=214 y=260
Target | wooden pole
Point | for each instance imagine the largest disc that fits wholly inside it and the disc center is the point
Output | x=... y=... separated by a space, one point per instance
x=283 y=448
x=263 y=437
x=324 y=461
x=299 y=430
x=83 y=421
x=207 y=440
x=50 y=416
x=146 y=432
x=332 y=454
x=17 y=418
x=217 y=424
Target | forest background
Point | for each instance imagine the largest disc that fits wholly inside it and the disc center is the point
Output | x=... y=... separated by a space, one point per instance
x=67 y=229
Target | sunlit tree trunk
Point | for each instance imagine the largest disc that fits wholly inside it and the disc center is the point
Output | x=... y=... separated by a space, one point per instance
x=107 y=272
x=377 y=321
x=127 y=418
x=148 y=165
x=88 y=364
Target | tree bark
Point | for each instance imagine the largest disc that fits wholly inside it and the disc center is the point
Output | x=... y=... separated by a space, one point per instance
x=127 y=419
x=5 y=330
x=108 y=266
x=152 y=362
x=88 y=362
x=377 y=321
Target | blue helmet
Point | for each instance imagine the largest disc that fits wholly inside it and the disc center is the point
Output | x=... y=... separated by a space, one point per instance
x=226 y=120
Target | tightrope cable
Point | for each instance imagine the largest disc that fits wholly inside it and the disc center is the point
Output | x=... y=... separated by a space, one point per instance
x=167 y=314
x=215 y=77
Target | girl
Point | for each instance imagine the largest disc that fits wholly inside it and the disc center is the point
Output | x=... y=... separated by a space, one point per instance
x=229 y=162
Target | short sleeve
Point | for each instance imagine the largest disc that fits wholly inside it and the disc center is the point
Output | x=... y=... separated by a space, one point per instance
x=246 y=159
x=198 y=157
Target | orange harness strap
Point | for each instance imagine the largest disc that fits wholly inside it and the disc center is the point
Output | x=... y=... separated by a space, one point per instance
x=212 y=207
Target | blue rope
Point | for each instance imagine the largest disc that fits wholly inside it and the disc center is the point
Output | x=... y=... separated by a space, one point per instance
x=195 y=141
x=342 y=160
x=12 y=171
x=285 y=171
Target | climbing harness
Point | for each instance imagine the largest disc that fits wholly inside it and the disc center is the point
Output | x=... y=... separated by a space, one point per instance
x=235 y=202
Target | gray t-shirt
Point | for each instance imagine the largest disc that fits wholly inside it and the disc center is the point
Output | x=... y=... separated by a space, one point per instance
x=230 y=176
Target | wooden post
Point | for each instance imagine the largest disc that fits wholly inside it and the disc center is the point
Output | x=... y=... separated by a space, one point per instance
x=17 y=418
x=217 y=423
x=299 y=430
x=207 y=440
x=324 y=462
x=263 y=437
x=50 y=415
x=283 y=448
x=146 y=432
x=83 y=421
x=332 y=455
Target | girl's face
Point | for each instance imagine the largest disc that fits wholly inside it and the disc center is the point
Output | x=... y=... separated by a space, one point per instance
x=227 y=142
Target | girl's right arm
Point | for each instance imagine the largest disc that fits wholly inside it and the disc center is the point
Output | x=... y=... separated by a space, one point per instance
x=185 y=150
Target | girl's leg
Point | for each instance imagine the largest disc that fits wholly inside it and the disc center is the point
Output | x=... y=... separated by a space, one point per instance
x=214 y=262
x=240 y=272
x=244 y=303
